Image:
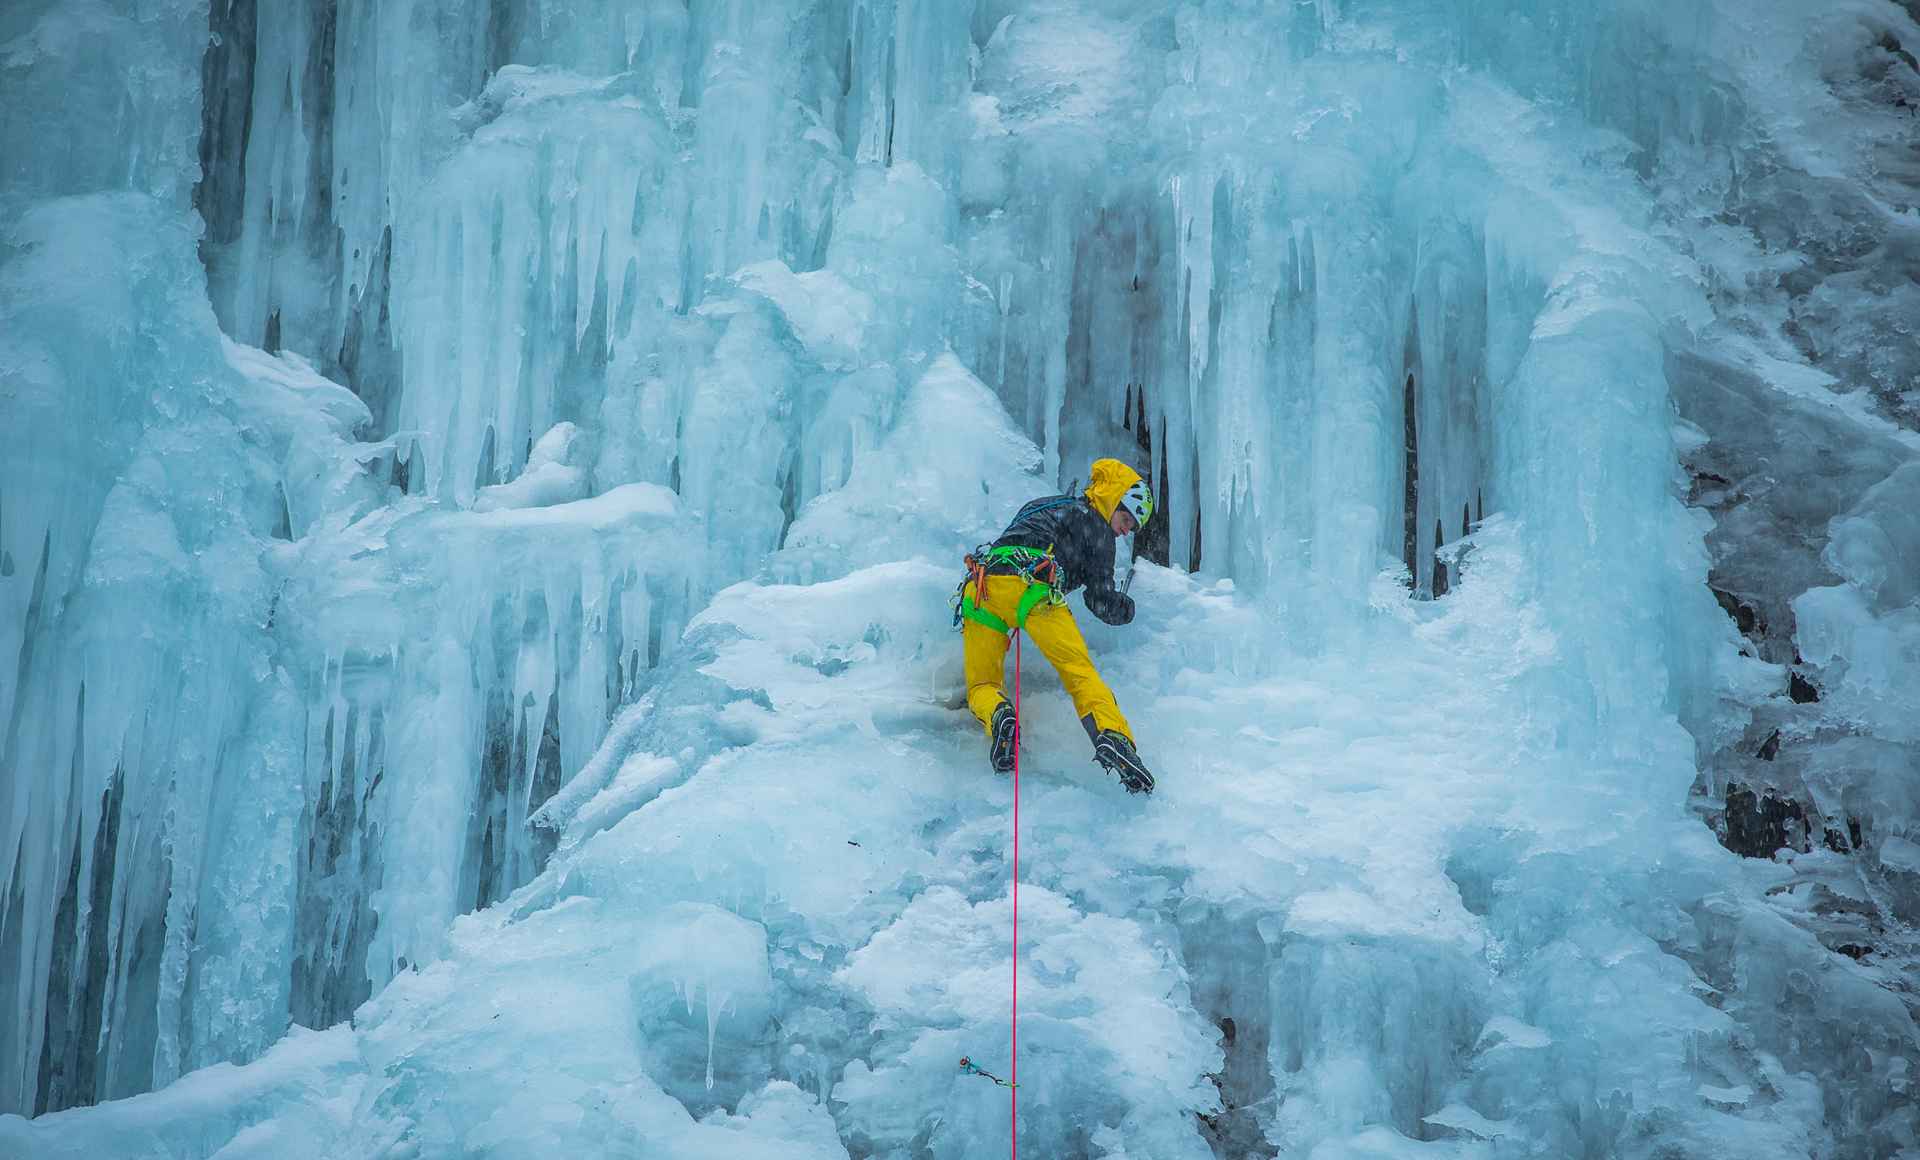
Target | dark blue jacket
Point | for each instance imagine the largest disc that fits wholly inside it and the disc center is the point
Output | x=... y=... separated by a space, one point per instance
x=1082 y=544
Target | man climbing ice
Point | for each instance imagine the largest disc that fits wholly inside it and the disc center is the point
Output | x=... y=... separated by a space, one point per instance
x=1054 y=545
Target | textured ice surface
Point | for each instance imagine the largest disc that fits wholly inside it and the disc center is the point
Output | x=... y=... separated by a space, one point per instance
x=1391 y=896
x=480 y=487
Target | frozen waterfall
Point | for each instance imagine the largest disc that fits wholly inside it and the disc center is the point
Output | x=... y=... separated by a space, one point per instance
x=480 y=486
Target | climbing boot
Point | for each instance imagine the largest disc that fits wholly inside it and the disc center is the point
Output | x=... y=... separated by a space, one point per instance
x=1116 y=754
x=1006 y=736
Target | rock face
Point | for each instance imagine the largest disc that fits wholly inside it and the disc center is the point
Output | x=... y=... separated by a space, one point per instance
x=1759 y=824
x=1790 y=480
x=1806 y=480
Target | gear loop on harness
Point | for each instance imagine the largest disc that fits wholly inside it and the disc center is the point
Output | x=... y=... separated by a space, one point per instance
x=1034 y=565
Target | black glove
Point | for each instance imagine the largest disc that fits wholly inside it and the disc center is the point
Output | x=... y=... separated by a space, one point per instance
x=1110 y=606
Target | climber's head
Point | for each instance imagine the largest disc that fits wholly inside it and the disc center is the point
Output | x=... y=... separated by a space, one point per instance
x=1120 y=496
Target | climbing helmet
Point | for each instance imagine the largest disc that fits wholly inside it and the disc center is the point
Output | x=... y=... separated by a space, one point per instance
x=1138 y=501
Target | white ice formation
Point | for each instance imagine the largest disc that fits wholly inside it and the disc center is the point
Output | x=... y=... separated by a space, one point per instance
x=480 y=486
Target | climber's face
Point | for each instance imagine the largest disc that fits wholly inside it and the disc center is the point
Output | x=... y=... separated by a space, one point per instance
x=1122 y=522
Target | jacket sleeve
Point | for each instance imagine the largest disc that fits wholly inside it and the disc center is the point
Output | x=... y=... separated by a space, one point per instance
x=1103 y=599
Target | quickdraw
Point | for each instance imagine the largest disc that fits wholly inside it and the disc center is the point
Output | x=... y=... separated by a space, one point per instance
x=1034 y=565
x=971 y=1068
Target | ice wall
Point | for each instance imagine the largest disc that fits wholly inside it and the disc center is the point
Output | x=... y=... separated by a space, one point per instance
x=273 y=716
x=623 y=291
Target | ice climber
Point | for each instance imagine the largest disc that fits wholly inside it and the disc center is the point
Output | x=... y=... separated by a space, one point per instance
x=1054 y=545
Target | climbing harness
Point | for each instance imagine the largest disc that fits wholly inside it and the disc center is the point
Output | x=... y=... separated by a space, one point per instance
x=1034 y=565
x=1031 y=563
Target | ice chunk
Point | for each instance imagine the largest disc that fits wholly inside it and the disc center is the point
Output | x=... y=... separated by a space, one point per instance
x=942 y=968
x=1506 y=1031
x=550 y=477
x=827 y=314
x=1726 y=1097
x=777 y=1118
x=950 y=473
x=293 y=1101
x=734 y=439
x=1463 y=1119
x=1897 y=853
x=1870 y=664
x=1874 y=545
x=709 y=965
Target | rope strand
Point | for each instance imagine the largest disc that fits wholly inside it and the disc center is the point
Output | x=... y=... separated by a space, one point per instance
x=1014 y=1084
x=967 y=1065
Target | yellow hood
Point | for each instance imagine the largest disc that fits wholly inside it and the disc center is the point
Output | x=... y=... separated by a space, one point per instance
x=1111 y=479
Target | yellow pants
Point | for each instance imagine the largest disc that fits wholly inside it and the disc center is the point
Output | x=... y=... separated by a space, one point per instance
x=1051 y=627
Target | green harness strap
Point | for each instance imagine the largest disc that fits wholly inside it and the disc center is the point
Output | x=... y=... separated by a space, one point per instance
x=1037 y=592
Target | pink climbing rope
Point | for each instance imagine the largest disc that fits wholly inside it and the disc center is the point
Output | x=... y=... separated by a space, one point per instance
x=1014 y=1049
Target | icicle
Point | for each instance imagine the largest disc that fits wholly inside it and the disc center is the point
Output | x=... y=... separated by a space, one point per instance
x=715 y=1006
